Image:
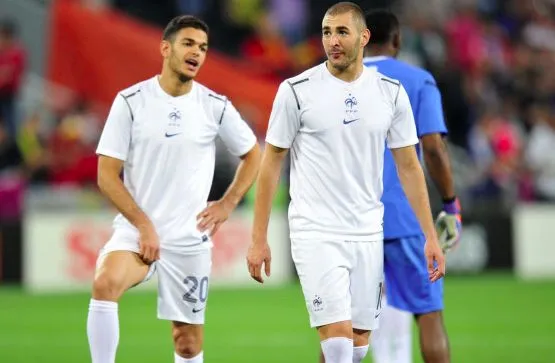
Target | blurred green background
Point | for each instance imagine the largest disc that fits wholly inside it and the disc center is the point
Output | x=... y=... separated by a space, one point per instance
x=490 y=318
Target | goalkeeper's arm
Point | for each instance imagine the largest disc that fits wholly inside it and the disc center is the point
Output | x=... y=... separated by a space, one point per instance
x=438 y=165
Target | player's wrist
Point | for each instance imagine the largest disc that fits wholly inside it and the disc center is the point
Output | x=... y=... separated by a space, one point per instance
x=145 y=226
x=231 y=201
x=451 y=205
x=431 y=236
x=259 y=238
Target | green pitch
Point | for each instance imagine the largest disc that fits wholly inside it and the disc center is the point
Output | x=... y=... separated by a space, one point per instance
x=491 y=318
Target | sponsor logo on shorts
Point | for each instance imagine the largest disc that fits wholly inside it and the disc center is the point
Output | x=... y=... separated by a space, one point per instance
x=195 y=310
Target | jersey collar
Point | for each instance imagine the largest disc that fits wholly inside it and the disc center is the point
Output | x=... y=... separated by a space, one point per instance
x=161 y=93
x=328 y=75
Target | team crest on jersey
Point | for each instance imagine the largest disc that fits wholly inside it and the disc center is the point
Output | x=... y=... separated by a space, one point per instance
x=351 y=110
x=175 y=116
x=174 y=127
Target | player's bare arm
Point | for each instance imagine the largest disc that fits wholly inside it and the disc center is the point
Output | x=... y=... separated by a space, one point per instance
x=412 y=179
x=216 y=213
x=111 y=185
x=259 y=251
x=438 y=165
x=449 y=222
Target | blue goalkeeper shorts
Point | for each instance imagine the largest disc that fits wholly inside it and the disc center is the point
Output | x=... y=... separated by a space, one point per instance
x=407 y=284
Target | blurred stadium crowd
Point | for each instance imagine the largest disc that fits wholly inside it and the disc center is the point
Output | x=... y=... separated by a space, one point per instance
x=493 y=61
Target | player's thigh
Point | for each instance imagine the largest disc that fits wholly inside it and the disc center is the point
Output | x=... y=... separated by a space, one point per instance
x=367 y=284
x=407 y=279
x=323 y=268
x=183 y=282
x=119 y=267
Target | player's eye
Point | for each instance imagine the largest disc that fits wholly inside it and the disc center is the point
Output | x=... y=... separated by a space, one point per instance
x=343 y=32
x=204 y=49
x=326 y=33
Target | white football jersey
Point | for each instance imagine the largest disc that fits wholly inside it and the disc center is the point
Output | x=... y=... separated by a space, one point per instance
x=336 y=132
x=168 y=148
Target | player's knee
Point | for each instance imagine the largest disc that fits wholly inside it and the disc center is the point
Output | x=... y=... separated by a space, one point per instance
x=334 y=330
x=107 y=287
x=361 y=337
x=188 y=342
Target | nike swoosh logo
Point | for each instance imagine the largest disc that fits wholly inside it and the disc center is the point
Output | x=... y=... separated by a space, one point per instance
x=377 y=316
x=195 y=310
x=171 y=135
x=345 y=122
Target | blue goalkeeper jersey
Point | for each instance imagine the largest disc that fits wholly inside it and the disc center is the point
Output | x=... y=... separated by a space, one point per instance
x=425 y=99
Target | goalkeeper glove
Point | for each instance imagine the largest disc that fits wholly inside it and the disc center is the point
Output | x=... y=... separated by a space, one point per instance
x=449 y=224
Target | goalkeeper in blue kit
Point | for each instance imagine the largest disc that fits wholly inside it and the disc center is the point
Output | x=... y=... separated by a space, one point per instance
x=406 y=278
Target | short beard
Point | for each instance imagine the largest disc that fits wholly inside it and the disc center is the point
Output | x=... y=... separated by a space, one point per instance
x=182 y=77
x=340 y=67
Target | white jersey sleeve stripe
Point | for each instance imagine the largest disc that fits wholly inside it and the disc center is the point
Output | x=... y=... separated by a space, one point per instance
x=116 y=135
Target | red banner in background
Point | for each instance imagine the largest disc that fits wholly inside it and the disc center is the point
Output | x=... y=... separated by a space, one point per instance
x=96 y=53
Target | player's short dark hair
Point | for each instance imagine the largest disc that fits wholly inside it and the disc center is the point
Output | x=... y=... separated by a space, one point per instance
x=383 y=25
x=348 y=7
x=182 y=22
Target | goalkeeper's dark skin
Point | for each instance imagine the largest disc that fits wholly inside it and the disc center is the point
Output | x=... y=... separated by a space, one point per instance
x=434 y=342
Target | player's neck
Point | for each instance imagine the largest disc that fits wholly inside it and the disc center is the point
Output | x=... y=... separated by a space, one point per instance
x=173 y=86
x=348 y=74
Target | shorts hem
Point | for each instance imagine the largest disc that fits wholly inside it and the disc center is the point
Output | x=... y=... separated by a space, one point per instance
x=179 y=319
x=330 y=320
x=419 y=311
x=103 y=252
x=428 y=311
x=368 y=327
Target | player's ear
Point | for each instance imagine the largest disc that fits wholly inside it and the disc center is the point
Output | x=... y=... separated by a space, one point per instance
x=397 y=41
x=165 y=48
x=365 y=37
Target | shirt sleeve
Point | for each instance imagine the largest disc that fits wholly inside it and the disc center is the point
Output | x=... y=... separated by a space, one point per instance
x=116 y=135
x=234 y=131
x=284 y=121
x=429 y=118
x=403 y=129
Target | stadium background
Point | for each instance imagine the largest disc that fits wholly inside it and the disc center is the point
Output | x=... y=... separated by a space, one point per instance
x=493 y=61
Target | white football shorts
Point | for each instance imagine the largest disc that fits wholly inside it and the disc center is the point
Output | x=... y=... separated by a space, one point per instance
x=341 y=280
x=183 y=279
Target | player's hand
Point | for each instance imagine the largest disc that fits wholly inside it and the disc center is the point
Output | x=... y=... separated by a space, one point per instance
x=259 y=253
x=449 y=225
x=149 y=244
x=212 y=217
x=435 y=260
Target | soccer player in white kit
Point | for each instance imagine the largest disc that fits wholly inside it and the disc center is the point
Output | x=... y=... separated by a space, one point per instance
x=162 y=133
x=335 y=119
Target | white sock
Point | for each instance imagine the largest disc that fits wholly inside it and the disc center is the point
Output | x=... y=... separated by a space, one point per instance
x=103 y=330
x=196 y=359
x=391 y=343
x=338 y=350
x=359 y=353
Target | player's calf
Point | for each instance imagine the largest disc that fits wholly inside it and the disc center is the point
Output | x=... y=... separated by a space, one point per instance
x=434 y=343
x=188 y=339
